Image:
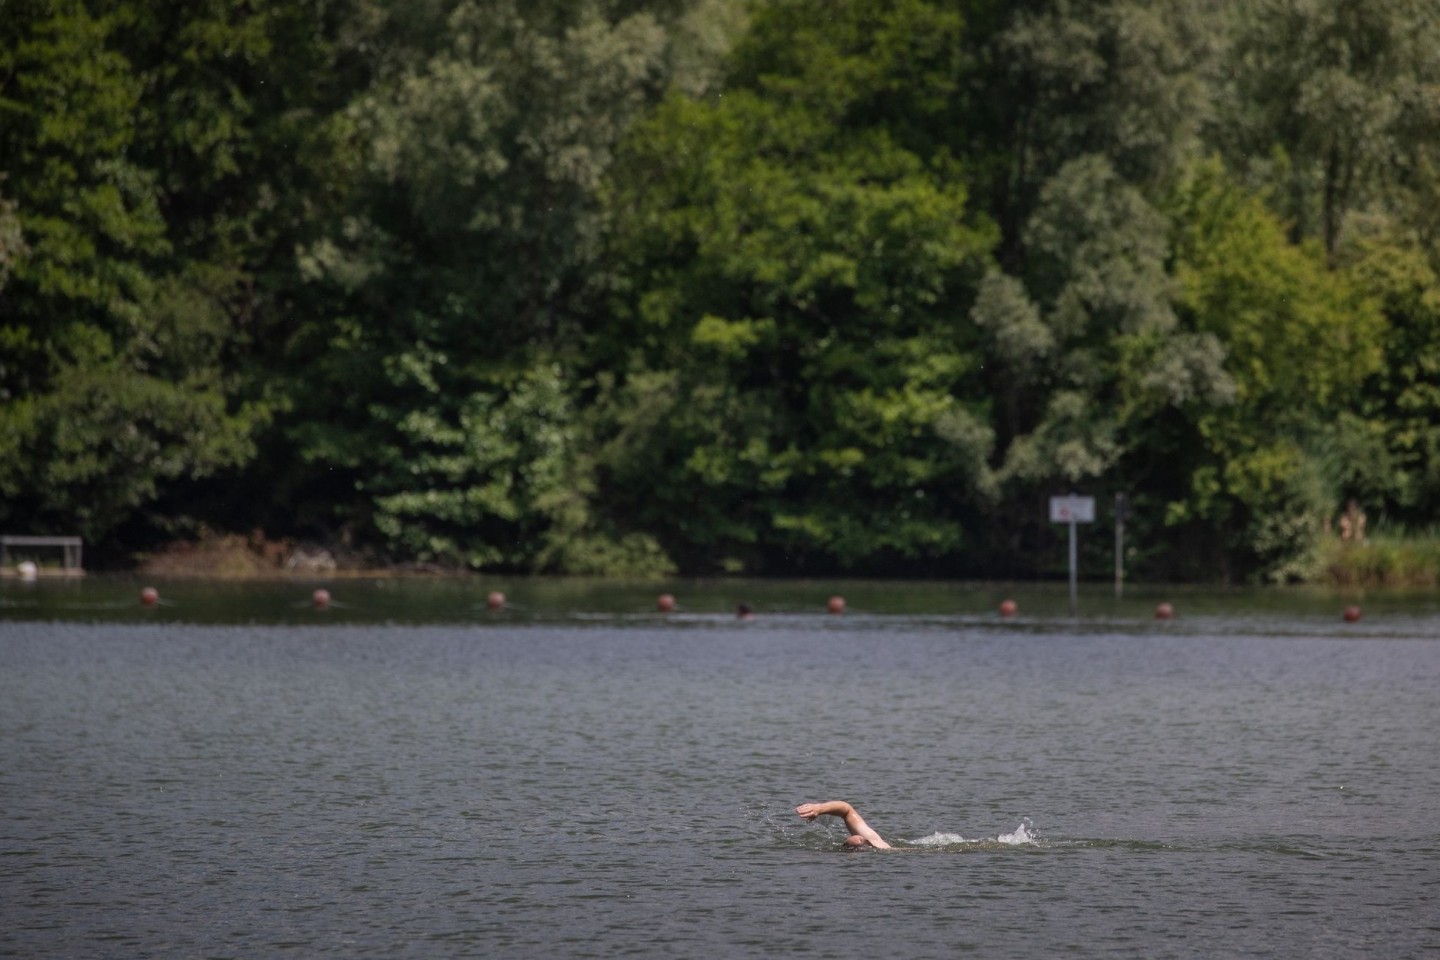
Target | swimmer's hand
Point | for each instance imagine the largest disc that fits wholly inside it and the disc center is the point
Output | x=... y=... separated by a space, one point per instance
x=808 y=810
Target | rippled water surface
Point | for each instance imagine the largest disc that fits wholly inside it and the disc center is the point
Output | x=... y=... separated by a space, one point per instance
x=611 y=783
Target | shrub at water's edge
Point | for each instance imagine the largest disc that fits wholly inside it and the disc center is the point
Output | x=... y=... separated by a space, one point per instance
x=1387 y=559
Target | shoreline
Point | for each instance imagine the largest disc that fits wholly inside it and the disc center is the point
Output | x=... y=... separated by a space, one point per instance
x=1380 y=562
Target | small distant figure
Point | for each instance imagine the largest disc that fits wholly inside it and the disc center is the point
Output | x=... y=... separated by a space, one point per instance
x=861 y=834
x=1352 y=523
x=743 y=611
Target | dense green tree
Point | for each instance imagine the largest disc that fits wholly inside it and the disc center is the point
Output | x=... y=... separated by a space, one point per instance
x=460 y=271
x=1081 y=115
x=792 y=351
x=630 y=285
x=1330 y=105
x=108 y=345
x=1301 y=341
x=1391 y=459
x=1050 y=81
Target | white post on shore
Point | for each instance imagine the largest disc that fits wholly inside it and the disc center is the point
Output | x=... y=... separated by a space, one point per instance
x=1073 y=510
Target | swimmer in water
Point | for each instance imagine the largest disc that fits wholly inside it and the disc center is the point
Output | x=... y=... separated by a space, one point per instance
x=861 y=834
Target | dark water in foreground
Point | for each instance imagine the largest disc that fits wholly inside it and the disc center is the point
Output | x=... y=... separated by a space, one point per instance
x=1251 y=783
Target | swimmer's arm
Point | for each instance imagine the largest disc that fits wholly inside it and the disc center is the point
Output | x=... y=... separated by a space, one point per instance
x=853 y=821
x=834 y=808
x=857 y=824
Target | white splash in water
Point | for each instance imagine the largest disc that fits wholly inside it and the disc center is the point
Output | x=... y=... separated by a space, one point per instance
x=939 y=840
x=1022 y=834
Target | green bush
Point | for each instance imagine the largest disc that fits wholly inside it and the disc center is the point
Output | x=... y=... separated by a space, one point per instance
x=1390 y=558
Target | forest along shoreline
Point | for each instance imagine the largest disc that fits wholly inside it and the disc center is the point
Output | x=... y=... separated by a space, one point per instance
x=712 y=287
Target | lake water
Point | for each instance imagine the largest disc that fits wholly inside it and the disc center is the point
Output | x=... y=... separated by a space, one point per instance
x=237 y=774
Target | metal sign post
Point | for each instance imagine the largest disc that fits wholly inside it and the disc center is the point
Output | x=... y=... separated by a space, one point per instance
x=1122 y=511
x=1072 y=510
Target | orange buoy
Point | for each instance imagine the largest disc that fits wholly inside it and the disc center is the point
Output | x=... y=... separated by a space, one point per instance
x=150 y=596
x=1351 y=614
x=1164 y=612
x=1008 y=608
x=665 y=603
x=836 y=605
x=320 y=598
x=496 y=600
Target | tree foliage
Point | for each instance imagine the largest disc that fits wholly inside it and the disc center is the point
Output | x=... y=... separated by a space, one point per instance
x=465 y=263
x=796 y=279
x=1301 y=341
x=631 y=286
x=1333 y=107
x=110 y=338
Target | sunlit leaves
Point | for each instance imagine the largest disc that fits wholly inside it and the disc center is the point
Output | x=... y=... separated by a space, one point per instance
x=819 y=262
x=1096 y=254
x=1271 y=303
x=1301 y=341
x=477 y=475
x=1020 y=340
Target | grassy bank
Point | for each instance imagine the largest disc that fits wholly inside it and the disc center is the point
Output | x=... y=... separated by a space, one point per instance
x=1387 y=559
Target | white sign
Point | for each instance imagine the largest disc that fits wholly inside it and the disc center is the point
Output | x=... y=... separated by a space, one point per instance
x=1072 y=509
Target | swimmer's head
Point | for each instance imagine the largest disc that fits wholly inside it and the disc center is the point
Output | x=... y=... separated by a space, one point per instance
x=856 y=842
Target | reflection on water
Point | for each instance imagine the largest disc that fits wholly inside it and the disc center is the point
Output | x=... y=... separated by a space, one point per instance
x=570 y=779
